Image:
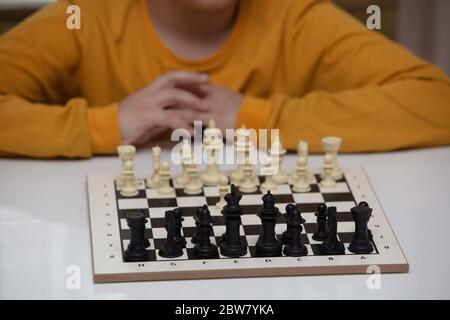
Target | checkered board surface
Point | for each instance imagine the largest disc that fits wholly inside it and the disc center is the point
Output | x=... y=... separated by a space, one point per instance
x=110 y=233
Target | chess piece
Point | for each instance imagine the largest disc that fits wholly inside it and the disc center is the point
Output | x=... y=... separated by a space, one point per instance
x=301 y=183
x=328 y=167
x=194 y=186
x=243 y=146
x=233 y=246
x=129 y=186
x=331 y=146
x=212 y=142
x=361 y=241
x=155 y=180
x=126 y=153
x=295 y=248
x=196 y=236
x=332 y=245
x=277 y=152
x=186 y=156
x=179 y=238
x=204 y=249
x=321 y=234
x=248 y=185
x=223 y=190
x=268 y=172
x=171 y=249
x=165 y=187
x=302 y=151
x=268 y=245
x=286 y=237
x=136 y=248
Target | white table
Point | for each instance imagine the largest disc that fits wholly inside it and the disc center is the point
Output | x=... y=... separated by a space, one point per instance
x=44 y=229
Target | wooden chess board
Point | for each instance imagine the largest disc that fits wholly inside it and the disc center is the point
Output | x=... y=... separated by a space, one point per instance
x=110 y=234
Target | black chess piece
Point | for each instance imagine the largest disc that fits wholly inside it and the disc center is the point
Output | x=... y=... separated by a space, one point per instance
x=196 y=236
x=321 y=234
x=205 y=249
x=332 y=245
x=233 y=246
x=295 y=248
x=268 y=245
x=171 y=249
x=136 y=248
x=286 y=236
x=361 y=243
x=363 y=204
x=179 y=238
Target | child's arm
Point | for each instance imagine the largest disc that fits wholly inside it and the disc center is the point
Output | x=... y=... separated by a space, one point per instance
x=364 y=88
x=38 y=68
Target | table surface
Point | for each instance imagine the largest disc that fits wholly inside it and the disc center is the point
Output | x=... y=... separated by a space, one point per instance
x=44 y=229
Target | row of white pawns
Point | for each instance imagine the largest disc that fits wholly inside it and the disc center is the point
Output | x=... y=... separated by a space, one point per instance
x=243 y=177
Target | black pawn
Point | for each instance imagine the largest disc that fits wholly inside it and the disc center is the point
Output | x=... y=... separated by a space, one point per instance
x=196 y=236
x=268 y=245
x=286 y=236
x=171 y=249
x=136 y=248
x=233 y=246
x=321 y=234
x=295 y=248
x=179 y=238
x=361 y=241
x=205 y=249
x=332 y=245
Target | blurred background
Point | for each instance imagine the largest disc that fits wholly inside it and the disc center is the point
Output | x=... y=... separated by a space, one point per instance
x=423 y=26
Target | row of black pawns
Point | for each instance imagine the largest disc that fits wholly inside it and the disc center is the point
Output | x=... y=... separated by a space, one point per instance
x=231 y=243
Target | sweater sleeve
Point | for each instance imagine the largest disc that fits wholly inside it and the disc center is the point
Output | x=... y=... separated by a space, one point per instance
x=40 y=114
x=364 y=88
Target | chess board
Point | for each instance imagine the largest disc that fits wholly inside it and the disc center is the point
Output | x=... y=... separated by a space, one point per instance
x=110 y=234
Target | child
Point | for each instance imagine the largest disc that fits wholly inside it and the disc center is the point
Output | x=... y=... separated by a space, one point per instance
x=138 y=68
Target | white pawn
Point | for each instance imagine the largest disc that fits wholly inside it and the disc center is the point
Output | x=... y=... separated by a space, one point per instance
x=186 y=155
x=129 y=187
x=194 y=186
x=165 y=187
x=328 y=167
x=301 y=183
x=223 y=190
x=212 y=143
x=268 y=184
x=155 y=180
x=125 y=152
x=248 y=185
x=277 y=151
x=243 y=146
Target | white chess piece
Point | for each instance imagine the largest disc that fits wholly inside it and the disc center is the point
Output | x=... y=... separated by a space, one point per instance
x=331 y=146
x=186 y=155
x=155 y=180
x=242 y=148
x=212 y=142
x=194 y=186
x=165 y=187
x=248 y=185
x=328 y=167
x=301 y=183
x=277 y=152
x=223 y=190
x=125 y=152
x=129 y=187
x=302 y=151
x=268 y=172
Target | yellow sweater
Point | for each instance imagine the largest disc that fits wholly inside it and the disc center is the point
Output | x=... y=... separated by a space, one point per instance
x=304 y=66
